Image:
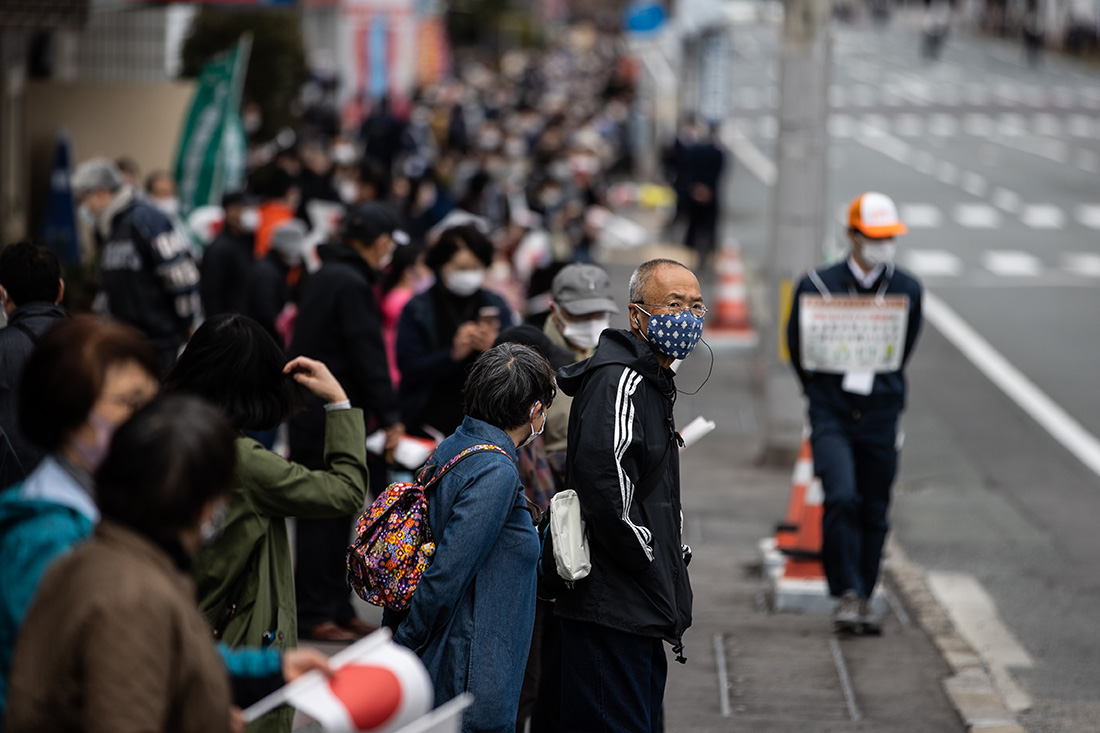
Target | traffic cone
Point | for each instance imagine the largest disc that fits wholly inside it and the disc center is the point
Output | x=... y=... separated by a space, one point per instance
x=730 y=323
x=786 y=533
x=804 y=555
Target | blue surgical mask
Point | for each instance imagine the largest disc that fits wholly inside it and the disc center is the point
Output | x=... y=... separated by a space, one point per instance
x=674 y=335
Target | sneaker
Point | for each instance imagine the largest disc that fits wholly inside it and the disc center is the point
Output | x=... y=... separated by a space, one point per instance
x=869 y=618
x=846 y=617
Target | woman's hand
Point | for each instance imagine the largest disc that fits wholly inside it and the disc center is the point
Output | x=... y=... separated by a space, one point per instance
x=296 y=662
x=465 y=341
x=315 y=376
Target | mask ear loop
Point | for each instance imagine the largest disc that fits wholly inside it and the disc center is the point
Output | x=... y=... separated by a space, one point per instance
x=710 y=370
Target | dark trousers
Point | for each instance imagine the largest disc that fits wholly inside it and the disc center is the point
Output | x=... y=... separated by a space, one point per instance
x=855 y=457
x=612 y=681
x=320 y=573
x=702 y=231
x=540 y=696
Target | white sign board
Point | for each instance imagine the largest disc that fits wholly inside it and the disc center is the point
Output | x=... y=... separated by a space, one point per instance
x=853 y=333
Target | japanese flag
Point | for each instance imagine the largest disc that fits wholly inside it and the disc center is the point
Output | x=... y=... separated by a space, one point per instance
x=376 y=687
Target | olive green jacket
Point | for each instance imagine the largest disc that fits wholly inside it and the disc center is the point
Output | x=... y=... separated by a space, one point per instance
x=254 y=541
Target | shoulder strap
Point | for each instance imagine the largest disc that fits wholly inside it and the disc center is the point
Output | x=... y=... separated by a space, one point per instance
x=466 y=453
x=20 y=326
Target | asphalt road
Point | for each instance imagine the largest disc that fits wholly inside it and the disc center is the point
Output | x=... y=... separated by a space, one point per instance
x=995 y=168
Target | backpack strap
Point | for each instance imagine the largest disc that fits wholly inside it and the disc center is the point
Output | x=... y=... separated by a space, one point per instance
x=464 y=454
x=20 y=326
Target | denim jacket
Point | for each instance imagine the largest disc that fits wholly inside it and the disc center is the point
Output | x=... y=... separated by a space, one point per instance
x=473 y=611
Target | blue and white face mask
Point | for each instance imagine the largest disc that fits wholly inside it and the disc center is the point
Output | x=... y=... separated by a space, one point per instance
x=674 y=335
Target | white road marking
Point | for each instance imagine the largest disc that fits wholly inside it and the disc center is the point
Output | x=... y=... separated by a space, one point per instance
x=974 y=184
x=1080 y=126
x=750 y=98
x=1046 y=124
x=863 y=95
x=1089 y=215
x=1034 y=97
x=978 y=124
x=932 y=262
x=1055 y=420
x=1012 y=263
x=751 y=156
x=1085 y=264
x=841 y=126
x=1043 y=216
x=838 y=96
x=920 y=216
x=947 y=172
x=1086 y=160
x=1064 y=97
x=943 y=125
x=924 y=162
x=909 y=125
x=768 y=127
x=974 y=614
x=977 y=216
x=1010 y=124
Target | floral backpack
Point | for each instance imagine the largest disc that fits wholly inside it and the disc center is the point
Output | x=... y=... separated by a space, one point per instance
x=393 y=541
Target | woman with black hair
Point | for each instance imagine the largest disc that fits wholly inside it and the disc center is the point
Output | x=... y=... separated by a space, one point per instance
x=442 y=331
x=245 y=578
x=113 y=640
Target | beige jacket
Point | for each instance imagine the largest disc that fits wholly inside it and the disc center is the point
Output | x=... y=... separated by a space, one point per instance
x=115 y=642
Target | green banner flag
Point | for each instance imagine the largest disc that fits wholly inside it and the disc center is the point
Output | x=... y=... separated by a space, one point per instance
x=212 y=149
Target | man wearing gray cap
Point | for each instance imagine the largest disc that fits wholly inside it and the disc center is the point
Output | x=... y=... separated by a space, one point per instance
x=580 y=310
x=146 y=273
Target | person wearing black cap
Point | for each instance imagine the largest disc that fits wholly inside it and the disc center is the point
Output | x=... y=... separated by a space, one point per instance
x=340 y=323
x=226 y=262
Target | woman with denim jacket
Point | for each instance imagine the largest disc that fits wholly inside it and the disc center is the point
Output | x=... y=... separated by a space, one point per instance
x=471 y=617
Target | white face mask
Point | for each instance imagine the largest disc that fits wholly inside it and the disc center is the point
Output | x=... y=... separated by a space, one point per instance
x=879 y=254
x=584 y=334
x=250 y=220
x=170 y=206
x=86 y=216
x=348 y=190
x=534 y=434
x=464 y=282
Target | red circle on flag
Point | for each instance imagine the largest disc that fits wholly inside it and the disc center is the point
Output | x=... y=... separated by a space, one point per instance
x=371 y=694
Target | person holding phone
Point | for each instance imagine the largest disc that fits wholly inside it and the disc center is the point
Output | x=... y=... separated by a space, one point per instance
x=443 y=330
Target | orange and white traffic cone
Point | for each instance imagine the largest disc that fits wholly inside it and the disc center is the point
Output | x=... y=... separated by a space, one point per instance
x=786 y=533
x=804 y=554
x=730 y=324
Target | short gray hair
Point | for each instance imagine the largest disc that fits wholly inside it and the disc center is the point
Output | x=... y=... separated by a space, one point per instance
x=97 y=173
x=505 y=381
x=639 y=281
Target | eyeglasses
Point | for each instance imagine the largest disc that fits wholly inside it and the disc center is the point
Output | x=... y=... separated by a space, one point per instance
x=698 y=310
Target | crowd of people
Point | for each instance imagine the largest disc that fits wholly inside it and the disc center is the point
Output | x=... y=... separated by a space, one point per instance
x=421 y=277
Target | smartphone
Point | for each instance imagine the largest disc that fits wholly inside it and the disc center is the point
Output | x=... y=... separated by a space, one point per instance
x=488 y=314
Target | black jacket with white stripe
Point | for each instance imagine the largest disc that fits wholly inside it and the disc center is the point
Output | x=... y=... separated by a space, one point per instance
x=623 y=462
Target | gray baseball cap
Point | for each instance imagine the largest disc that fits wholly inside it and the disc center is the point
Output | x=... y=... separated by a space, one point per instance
x=583 y=289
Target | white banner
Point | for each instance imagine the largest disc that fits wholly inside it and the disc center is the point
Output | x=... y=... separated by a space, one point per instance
x=853 y=333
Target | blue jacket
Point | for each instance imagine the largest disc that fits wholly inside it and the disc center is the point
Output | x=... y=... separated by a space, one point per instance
x=40 y=519
x=472 y=614
x=824 y=390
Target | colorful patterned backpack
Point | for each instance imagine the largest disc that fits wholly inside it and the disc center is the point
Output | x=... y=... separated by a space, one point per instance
x=393 y=544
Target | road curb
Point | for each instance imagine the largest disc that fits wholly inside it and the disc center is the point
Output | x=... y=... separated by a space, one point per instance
x=970 y=688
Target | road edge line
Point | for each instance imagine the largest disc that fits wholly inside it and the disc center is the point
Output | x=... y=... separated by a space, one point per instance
x=1058 y=423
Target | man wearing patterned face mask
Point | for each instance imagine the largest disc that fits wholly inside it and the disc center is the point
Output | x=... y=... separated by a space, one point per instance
x=854 y=408
x=623 y=462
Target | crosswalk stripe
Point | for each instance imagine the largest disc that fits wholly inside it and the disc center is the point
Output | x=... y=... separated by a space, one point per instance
x=932 y=263
x=1089 y=215
x=1006 y=200
x=1046 y=124
x=978 y=124
x=943 y=125
x=1086 y=160
x=1080 y=126
x=947 y=172
x=920 y=216
x=909 y=125
x=1012 y=263
x=1043 y=216
x=974 y=184
x=977 y=216
x=1086 y=264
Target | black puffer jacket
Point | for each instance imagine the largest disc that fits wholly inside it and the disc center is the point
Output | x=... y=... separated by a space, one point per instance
x=621 y=433
x=339 y=323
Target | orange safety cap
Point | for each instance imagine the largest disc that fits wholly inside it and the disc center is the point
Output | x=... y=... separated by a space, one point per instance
x=875 y=215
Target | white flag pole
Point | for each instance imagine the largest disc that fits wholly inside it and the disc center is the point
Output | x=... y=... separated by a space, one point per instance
x=312 y=679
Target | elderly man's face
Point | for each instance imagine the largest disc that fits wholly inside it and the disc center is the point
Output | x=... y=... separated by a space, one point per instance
x=674 y=288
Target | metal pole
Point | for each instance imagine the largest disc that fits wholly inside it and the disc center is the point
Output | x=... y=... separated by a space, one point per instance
x=798 y=204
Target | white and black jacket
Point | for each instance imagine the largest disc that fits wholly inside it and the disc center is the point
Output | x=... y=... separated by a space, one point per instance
x=623 y=462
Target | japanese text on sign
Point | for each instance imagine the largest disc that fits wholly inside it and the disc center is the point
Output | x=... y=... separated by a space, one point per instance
x=853 y=333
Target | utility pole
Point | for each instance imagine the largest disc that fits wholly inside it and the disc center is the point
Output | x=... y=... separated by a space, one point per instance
x=799 y=217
